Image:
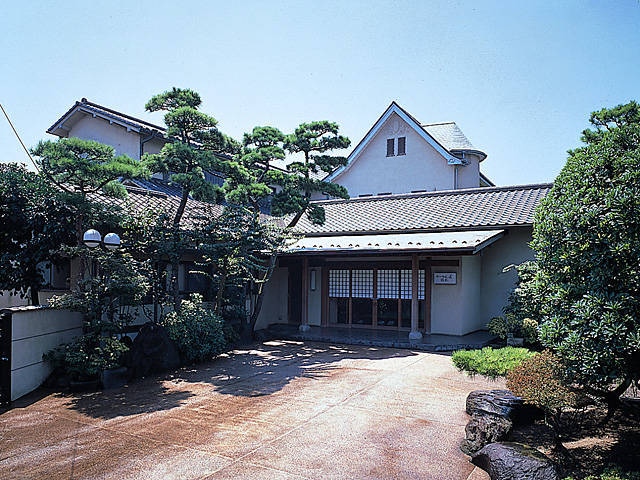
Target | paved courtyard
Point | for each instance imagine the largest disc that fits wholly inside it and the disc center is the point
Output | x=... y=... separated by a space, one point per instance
x=280 y=410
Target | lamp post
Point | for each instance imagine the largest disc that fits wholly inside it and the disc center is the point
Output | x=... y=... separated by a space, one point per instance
x=92 y=239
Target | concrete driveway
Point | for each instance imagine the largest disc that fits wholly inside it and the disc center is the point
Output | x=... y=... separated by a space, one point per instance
x=281 y=410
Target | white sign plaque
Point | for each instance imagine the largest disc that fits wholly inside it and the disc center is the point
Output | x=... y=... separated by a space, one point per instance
x=445 y=278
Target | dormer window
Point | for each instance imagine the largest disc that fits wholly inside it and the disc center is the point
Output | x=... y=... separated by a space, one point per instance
x=391 y=146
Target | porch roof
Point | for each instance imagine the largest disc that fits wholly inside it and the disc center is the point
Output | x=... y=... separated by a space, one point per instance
x=469 y=242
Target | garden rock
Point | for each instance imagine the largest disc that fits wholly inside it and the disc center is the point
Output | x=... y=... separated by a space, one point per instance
x=484 y=429
x=495 y=402
x=508 y=461
x=153 y=351
x=502 y=403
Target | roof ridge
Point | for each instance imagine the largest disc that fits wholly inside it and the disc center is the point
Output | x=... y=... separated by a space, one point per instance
x=438 y=123
x=84 y=101
x=435 y=193
x=146 y=191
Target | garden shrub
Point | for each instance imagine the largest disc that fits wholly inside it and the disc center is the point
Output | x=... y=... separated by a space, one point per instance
x=85 y=357
x=198 y=332
x=613 y=473
x=489 y=362
x=541 y=381
x=526 y=328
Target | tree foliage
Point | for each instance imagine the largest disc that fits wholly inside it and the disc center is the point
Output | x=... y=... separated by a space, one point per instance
x=587 y=240
x=82 y=168
x=35 y=223
x=312 y=140
x=196 y=147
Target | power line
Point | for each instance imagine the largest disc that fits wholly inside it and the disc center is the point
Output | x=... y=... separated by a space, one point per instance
x=18 y=137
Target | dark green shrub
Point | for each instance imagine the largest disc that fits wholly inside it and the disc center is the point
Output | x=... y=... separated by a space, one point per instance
x=489 y=362
x=87 y=356
x=613 y=473
x=196 y=330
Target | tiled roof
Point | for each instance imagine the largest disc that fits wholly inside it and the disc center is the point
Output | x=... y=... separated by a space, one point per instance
x=470 y=209
x=156 y=185
x=144 y=199
x=86 y=107
x=449 y=135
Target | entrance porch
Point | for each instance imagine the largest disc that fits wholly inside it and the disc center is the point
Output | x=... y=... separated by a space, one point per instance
x=381 y=338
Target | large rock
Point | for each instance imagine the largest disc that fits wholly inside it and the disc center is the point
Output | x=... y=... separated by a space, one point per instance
x=495 y=402
x=510 y=461
x=153 y=351
x=483 y=429
x=502 y=403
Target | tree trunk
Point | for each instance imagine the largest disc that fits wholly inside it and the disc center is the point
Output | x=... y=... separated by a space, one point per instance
x=258 y=305
x=34 y=293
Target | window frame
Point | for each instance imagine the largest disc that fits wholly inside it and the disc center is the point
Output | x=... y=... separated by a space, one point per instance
x=391 y=147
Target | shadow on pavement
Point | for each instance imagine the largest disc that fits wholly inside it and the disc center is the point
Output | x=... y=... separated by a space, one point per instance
x=266 y=368
x=138 y=397
x=253 y=371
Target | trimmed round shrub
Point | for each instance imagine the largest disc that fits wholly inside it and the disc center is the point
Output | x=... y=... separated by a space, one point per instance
x=489 y=362
x=199 y=334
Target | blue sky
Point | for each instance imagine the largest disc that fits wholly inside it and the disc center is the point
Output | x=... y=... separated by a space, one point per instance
x=519 y=77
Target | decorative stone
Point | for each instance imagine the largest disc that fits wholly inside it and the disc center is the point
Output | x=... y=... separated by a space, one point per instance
x=508 y=461
x=495 y=402
x=153 y=351
x=483 y=429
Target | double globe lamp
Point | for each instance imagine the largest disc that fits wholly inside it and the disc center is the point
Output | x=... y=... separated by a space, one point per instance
x=92 y=239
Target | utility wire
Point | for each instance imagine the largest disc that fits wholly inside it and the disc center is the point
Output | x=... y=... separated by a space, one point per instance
x=18 y=137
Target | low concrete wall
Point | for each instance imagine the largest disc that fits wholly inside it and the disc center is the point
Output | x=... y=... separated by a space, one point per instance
x=35 y=331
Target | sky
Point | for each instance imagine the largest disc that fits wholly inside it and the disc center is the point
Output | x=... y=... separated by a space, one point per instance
x=518 y=77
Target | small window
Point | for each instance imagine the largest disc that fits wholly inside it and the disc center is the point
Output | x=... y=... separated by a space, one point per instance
x=402 y=142
x=391 y=147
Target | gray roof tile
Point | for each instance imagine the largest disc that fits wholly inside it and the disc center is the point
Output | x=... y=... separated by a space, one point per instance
x=449 y=135
x=433 y=211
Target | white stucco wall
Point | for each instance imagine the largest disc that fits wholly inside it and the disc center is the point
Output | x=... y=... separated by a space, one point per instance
x=496 y=284
x=275 y=304
x=153 y=146
x=447 y=309
x=422 y=168
x=124 y=142
x=471 y=294
x=35 y=331
x=469 y=175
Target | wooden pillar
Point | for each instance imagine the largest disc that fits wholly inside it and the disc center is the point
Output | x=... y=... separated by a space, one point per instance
x=304 y=315
x=427 y=298
x=415 y=332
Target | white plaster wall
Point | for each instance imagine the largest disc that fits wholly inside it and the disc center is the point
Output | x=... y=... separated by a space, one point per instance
x=513 y=248
x=153 y=146
x=7 y=301
x=471 y=297
x=422 y=168
x=35 y=331
x=455 y=308
x=447 y=309
x=124 y=142
x=276 y=299
x=469 y=175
